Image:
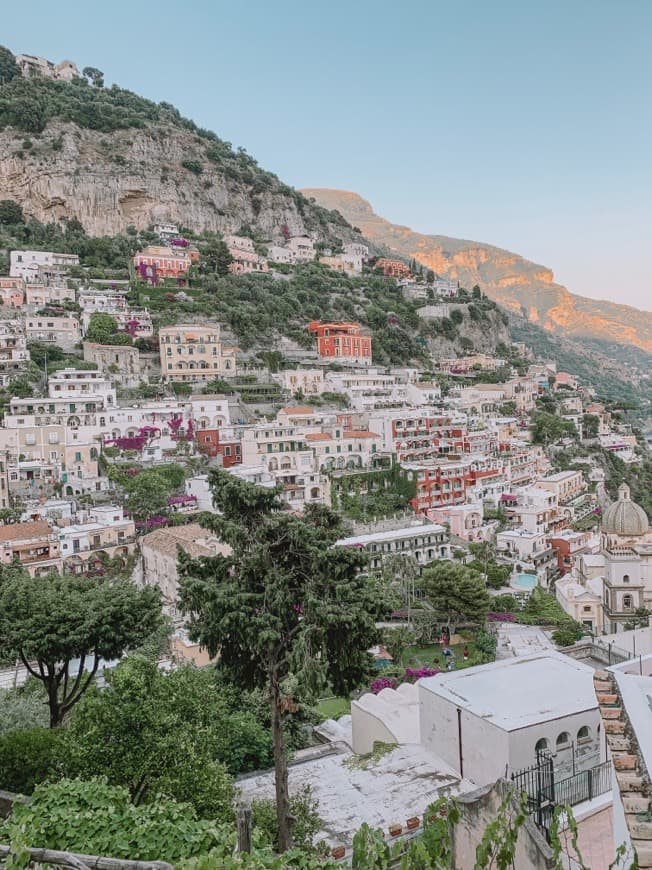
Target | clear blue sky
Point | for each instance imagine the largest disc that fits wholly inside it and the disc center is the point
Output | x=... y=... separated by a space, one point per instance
x=523 y=123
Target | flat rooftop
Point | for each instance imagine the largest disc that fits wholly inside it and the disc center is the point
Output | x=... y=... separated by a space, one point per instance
x=401 y=784
x=393 y=535
x=519 y=692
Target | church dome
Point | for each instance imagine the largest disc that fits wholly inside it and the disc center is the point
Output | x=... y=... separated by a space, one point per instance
x=624 y=517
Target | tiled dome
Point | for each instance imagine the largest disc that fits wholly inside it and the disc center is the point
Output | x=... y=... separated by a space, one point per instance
x=625 y=517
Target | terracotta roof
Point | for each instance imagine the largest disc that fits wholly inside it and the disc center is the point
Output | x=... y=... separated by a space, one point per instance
x=632 y=776
x=360 y=433
x=192 y=538
x=318 y=436
x=25 y=531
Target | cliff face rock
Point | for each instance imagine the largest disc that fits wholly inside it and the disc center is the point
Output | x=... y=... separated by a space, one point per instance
x=135 y=176
x=484 y=337
x=514 y=282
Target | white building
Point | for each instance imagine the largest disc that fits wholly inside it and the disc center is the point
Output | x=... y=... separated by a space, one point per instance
x=303 y=248
x=492 y=720
x=48 y=294
x=64 y=332
x=81 y=384
x=425 y=542
x=33 y=265
x=166 y=231
x=310 y=382
x=14 y=355
x=278 y=254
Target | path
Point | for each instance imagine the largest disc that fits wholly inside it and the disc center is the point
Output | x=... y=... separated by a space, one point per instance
x=521 y=640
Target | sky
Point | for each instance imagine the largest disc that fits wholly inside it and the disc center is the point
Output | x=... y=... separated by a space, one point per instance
x=526 y=124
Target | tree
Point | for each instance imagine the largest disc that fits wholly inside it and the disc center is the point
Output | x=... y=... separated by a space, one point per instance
x=9 y=69
x=547 y=428
x=476 y=293
x=164 y=734
x=29 y=757
x=94 y=75
x=591 y=425
x=568 y=632
x=215 y=258
x=396 y=640
x=147 y=496
x=455 y=593
x=11 y=212
x=287 y=611
x=49 y=622
x=101 y=327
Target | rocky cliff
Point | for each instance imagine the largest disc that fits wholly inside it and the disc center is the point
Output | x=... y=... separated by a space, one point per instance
x=136 y=176
x=517 y=284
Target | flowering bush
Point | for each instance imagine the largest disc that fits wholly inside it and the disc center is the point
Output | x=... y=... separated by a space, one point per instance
x=501 y=617
x=383 y=683
x=413 y=674
x=410 y=675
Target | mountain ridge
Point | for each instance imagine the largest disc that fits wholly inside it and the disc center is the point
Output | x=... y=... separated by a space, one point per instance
x=520 y=285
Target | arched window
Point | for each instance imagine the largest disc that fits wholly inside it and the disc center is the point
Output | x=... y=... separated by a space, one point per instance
x=541 y=745
x=628 y=602
x=563 y=740
x=625 y=578
x=584 y=733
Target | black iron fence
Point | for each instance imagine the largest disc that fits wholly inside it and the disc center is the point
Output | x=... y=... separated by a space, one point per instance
x=544 y=793
x=584 y=785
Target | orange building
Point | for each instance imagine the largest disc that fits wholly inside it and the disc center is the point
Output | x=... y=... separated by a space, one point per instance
x=341 y=340
x=211 y=444
x=392 y=268
x=159 y=263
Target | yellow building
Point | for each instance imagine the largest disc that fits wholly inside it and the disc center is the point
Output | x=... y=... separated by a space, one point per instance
x=194 y=353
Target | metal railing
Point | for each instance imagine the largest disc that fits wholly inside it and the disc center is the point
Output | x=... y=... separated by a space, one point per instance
x=544 y=793
x=584 y=785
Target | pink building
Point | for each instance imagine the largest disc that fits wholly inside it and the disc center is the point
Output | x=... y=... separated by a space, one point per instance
x=463 y=520
x=12 y=292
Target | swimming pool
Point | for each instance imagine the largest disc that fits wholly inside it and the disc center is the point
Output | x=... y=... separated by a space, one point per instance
x=523 y=582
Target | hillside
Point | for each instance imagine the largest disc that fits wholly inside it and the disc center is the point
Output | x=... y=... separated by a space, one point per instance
x=519 y=285
x=112 y=159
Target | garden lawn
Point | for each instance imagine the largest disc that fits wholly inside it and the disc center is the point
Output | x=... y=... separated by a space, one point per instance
x=416 y=656
x=333 y=708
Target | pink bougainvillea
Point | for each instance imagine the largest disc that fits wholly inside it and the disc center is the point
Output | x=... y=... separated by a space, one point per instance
x=501 y=617
x=410 y=675
x=383 y=683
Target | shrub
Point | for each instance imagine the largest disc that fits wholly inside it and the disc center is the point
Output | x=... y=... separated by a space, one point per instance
x=98 y=819
x=304 y=809
x=28 y=758
x=193 y=166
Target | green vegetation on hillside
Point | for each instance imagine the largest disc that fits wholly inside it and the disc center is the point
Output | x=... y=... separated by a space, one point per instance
x=590 y=366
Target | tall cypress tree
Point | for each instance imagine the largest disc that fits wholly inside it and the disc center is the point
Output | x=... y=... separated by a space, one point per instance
x=285 y=604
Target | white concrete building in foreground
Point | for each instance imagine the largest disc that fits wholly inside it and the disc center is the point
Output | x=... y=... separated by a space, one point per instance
x=492 y=720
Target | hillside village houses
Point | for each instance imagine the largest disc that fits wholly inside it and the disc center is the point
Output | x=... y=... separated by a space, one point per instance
x=469 y=471
x=340 y=427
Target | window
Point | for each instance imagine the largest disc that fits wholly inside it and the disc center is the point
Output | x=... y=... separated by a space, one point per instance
x=625 y=578
x=628 y=602
x=78 y=457
x=563 y=740
x=583 y=734
x=541 y=745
